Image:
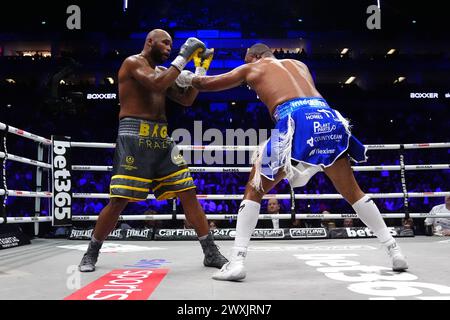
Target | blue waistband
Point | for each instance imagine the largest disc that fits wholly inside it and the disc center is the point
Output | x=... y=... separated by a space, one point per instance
x=286 y=108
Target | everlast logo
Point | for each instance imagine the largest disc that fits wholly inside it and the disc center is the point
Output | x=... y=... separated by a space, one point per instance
x=81 y=233
x=62 y=184
x=137 y=233
x=116 y=234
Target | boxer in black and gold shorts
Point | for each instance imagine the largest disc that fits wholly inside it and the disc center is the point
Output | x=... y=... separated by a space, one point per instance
x=146 y=159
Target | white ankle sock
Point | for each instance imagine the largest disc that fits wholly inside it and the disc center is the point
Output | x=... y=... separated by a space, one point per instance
x=93 y=239
x=247 y=219
x=368 y=212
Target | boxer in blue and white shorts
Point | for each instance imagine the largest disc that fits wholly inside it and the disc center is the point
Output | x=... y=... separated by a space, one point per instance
x=321 y=137
x=311 y=137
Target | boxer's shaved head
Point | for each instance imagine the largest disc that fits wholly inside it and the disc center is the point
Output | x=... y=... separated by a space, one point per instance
x=257 y=51
x=157 y=34
x=158 y=45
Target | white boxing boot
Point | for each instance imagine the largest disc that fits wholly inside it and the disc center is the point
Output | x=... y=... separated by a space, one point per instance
x=398 y=259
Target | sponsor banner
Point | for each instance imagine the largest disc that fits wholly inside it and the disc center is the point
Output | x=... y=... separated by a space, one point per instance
x=117 y=234
x=123 y=284
x=219 y=234
x=345 y=233
x=310 y=233
x=61 y=182
x=229 y=234
x=175 y=234
x=224 y=234
x=268 y=234
x=11 y=236
x=138 y=234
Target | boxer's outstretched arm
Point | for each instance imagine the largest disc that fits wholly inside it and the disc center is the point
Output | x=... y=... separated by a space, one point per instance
x=221 y=82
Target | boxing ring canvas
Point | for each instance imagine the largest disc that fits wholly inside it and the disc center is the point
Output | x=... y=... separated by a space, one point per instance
x=344 y=269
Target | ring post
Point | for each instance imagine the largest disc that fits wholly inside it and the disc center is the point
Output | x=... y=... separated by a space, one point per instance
x=37 y=200
x=292 y=198
x=3 y=183
x=403 y=180
x=174 y=209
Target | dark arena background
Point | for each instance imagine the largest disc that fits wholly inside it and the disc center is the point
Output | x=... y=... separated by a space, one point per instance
x=383 y=64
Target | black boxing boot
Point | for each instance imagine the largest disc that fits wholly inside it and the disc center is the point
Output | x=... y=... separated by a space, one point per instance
x=89 y=260
x=213 y=257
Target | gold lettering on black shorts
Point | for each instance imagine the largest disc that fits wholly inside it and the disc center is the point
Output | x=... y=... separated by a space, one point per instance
x=157 y=131
x=153 y=144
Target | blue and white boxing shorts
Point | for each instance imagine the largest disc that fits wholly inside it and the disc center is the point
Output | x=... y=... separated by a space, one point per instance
x=308 y=136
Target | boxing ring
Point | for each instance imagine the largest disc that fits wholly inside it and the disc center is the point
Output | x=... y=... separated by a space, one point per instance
x=319 y=269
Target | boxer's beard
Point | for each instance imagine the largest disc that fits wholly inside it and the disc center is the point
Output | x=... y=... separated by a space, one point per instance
x=158 y=57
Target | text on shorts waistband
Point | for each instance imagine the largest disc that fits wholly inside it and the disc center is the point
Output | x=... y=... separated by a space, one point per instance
x=142 y=128
x=286 y=108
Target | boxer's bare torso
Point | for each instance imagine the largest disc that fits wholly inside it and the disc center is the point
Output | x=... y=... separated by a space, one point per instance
x=275 y=81
x=135 y=99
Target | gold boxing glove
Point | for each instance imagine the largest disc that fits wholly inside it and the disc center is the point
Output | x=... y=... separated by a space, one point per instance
x=202 y=61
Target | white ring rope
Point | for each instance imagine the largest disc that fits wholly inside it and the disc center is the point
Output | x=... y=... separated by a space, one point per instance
x=281 y=216
x=248 y=169
x=27 y=194
x=87 y=195
x=254 y=148
x=25 y=134
x=36 y=163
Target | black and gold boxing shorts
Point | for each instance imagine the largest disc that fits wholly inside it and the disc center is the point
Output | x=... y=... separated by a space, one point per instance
x=145 y=159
